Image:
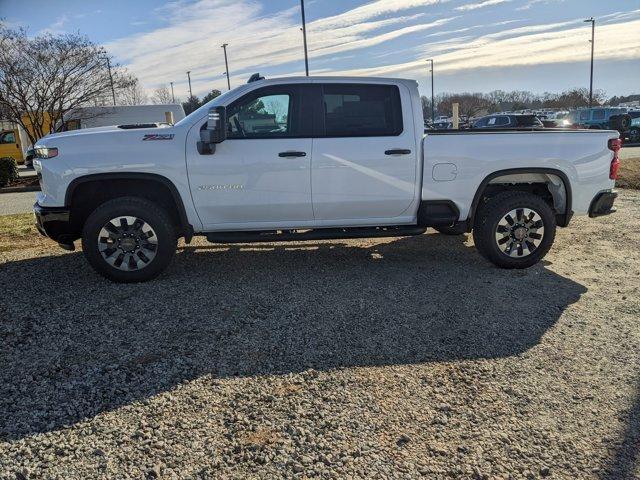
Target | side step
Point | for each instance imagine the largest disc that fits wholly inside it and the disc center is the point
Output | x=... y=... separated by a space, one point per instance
x=318 y=234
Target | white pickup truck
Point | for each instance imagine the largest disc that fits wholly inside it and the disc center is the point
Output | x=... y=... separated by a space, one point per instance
x=314 y=158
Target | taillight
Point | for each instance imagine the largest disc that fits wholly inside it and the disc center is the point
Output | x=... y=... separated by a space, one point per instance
x=615 y=145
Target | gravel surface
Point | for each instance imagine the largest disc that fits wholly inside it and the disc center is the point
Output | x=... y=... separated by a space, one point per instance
x=12 y=203
x=392 y=358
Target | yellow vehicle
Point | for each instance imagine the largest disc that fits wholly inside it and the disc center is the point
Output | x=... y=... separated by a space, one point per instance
x=10 y=145
x=14 y=140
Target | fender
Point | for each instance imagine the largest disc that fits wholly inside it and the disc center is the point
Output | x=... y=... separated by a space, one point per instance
x=563 y=219
x=182 y=214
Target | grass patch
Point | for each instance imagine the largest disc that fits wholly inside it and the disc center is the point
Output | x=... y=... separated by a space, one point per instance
x=18 y=232
x=629 y=173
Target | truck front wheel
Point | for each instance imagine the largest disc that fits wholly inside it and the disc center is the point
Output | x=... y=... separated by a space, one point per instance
x=129 y=239
x=514 y=229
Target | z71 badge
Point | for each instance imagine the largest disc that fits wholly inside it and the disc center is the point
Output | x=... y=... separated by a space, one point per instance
x=158 y=136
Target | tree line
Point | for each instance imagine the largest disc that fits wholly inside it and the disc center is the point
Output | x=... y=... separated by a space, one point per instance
x=474 y=104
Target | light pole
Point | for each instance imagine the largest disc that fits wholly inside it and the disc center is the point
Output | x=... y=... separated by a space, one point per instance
x=433 y=114
x=189 y=77
x=226 y=64
x=593 y=34
x=113 y=91
x=173 y=97
x=304 y=39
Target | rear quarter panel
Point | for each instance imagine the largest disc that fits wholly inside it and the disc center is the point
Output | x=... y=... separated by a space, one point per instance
x=583 y=156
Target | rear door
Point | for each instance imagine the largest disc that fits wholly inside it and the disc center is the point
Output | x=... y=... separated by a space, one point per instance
x=364 y=154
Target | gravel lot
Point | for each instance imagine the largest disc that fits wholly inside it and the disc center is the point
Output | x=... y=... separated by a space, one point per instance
x=365 y=358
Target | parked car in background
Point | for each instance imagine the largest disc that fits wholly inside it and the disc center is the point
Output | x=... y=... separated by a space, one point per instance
x=510 y=120
x=601 y=118
x=634 y=129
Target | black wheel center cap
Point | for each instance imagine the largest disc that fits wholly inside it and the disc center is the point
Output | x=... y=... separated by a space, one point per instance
x=128 y=243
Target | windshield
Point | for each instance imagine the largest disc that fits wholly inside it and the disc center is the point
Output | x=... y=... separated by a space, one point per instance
x=202 y=111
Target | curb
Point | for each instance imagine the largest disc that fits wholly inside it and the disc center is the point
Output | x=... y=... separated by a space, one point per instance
x=19 y=189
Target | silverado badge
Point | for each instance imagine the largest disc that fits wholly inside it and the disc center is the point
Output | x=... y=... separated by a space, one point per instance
x=158 y=136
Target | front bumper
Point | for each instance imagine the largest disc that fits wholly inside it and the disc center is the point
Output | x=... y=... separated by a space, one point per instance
x=602 y=204
x=54 y=222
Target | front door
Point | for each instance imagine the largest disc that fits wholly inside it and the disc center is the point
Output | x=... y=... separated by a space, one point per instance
x=260 y=175
x=10 y=146
x=365 y=161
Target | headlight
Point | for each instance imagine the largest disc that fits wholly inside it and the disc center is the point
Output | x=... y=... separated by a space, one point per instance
x=46 y=152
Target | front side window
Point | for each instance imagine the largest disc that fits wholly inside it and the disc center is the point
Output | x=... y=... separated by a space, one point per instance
x=262 y=116
x=502 y=120
x=362 y=110
x=598 y=114
x=8 y=138
x=584 y=115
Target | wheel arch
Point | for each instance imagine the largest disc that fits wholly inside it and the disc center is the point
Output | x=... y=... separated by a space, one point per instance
x=562 y=218
x=143 y=179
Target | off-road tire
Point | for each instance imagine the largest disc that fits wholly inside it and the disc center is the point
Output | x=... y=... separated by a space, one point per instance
x=153 y=215
x=491 y=213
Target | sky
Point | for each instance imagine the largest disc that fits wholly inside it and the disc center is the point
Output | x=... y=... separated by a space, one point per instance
x=476 y=45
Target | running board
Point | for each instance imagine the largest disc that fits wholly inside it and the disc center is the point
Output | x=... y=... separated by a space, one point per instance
x=318 y=234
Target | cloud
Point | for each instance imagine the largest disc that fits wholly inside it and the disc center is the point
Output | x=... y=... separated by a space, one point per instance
x=57 y=27
x=618 y=41
x=257 y=42
x=475 y=6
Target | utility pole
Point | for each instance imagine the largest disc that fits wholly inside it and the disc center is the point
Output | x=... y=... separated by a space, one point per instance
x=593 y=35
x=113 y=91
x=226 y=64
x=433 y=111
x=304 y=38
x=189 y=77
x=173 y=97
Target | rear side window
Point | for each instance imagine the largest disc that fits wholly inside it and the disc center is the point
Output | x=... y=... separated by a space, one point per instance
x=598 y=114
x=361 y=110
x=502 y=120
x=528 y=121
x=584 y=115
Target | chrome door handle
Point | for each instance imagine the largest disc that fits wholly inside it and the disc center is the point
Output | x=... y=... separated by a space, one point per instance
x=292 y=153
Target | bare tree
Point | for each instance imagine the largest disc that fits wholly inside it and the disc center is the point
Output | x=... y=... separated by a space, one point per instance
x=131 y=92
x=471 y=104
x=43 y=78
x=161 y=96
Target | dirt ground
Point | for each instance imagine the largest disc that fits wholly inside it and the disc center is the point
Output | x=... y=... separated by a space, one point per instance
x=395 y=358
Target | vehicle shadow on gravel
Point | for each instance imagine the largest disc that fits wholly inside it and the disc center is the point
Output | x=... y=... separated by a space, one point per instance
x=75 y=345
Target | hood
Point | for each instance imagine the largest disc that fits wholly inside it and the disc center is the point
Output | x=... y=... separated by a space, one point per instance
x=140 y=129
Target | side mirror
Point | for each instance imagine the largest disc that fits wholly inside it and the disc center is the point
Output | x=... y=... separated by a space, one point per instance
x=215 y=131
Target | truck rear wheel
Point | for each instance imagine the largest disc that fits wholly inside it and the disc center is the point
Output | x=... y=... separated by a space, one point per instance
x=129 y=239
x=514 y=229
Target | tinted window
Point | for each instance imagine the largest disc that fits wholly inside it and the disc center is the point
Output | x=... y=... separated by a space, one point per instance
x=502 y=120
x=260 y=116
x=634 y=114
x=8 y=138
x=362 y=110
x=481 y=123
x=584 y=115
x=598 y=114
x=528 y=121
